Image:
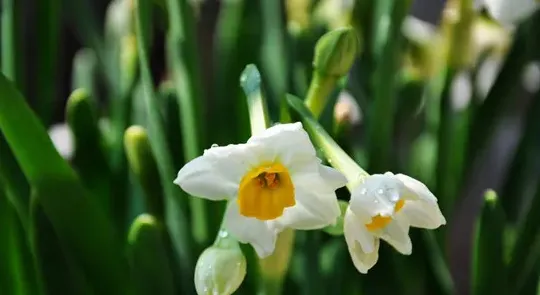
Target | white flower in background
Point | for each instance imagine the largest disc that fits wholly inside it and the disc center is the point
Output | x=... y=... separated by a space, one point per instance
x=62 y=139
x=347 y=109
x=272 y=182
x=510 y=12
x=384 y=206
x=531 y=77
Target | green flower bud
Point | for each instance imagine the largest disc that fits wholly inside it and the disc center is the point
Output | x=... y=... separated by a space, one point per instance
x=221 y=268
x=335 y=52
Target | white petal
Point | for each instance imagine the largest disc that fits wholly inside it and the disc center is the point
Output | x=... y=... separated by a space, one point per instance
x=511 y=12
x=284 y=142
x=361 y=260
x=377 y=195
x=250 y=230
x=355 y=231
x=397 y=235
x=423 y=214
x=314 y=209
x=217 y=173
x=333 y=177
x=417 y=188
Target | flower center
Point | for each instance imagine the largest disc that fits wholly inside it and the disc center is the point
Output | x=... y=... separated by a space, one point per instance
x=378 y=221
x=265 y=192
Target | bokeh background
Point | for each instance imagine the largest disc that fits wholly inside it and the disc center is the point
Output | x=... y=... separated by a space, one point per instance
x=488 y=171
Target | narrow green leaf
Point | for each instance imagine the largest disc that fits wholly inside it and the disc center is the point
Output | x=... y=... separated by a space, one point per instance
x=69 y=207
x=489 y=275
x=90 y=159
x=183 y=58
x=59 y=274
x=525 y=257
x=230 y=43
x=17 y=274
x=387 y=50
x=48 y=33
x=171 y=115
x=147 y=255
x=523 y=173
x=143 y=164
x=274 y=54
x=176 y=219
x=13 y=181
x=11 y=57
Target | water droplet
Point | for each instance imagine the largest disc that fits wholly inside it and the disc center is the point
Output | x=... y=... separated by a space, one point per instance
x=376 y=201
x=394 y=196
x=223 y=234
x=380 y=191
x=363 y=191
x=214 y=145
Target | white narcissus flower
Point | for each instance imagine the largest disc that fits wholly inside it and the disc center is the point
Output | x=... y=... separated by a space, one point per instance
x=384 y=206
x=510 y=12
x=272 y=182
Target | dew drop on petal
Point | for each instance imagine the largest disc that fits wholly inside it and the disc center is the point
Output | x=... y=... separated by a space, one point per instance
x=380 y=191
x=223 y=234
x=363 y=191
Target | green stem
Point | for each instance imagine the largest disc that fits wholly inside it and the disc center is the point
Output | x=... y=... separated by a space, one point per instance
x=182 y=55
x=318 y=93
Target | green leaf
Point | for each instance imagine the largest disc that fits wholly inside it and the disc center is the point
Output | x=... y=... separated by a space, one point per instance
x=13 y=181
x=182 y=56
x=176 y=219
x=143 y=164
x=11 y=50
x=58 y=271
x=89 y=159
x=48 y=37
x=66 y=203
x=525 y=258
x=147 y=254
x=17 y=274
x=274 y=55
x=489 y=270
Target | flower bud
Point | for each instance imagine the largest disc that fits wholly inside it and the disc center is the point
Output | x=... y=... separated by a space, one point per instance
x=119 y=20
x=221 y=268
x=335 y=52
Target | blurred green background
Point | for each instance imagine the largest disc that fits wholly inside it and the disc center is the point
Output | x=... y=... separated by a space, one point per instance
x=131 y=90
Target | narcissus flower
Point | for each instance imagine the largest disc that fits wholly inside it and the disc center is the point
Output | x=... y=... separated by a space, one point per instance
x=272 y=182
x=510 y=12
x=385 y=206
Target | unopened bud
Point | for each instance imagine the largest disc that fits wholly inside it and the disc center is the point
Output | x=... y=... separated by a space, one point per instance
x=346 y=110
x=335 y=52
x=221 y=268
x=119 y=19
